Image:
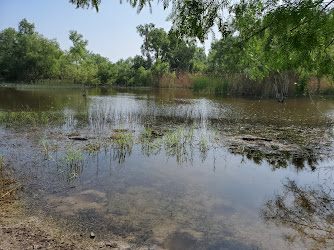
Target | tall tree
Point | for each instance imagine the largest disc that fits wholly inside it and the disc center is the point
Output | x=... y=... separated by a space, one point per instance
x=78 y=53
x=146 y=48
x=26 y=28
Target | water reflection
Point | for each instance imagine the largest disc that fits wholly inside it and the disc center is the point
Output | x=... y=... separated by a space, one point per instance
x=279 y=159
x=307 y=210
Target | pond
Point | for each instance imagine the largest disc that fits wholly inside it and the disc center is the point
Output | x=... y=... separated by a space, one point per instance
x=166 y=168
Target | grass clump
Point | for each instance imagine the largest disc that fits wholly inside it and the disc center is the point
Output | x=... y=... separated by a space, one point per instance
x=93 y=148
x=212 y=85
x=122 y=143
x=30 y=118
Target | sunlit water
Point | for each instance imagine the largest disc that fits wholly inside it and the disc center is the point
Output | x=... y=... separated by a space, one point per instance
x=198 y=195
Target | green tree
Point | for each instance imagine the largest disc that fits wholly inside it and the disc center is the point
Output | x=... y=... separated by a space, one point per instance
x=78 y=53
x=26 y=28
x=27 y=55
x=146 y=48
x=180 y=53
x=8 y=41
x=159 y=43
x=306 y=27
x=159 y=69
x=138 y=62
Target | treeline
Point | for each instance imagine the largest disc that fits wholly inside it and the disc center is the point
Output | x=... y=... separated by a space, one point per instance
x=269 y=63
x=27 y=56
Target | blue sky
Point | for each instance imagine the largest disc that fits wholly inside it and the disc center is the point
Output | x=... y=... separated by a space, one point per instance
x=111 y=32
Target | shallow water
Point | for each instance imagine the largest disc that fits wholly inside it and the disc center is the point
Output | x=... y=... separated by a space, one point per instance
x=195 y=183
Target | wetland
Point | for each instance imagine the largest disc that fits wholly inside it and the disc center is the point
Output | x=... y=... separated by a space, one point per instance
x=164 y=169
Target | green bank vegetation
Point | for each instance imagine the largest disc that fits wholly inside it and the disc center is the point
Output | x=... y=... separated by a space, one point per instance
x=267 y=49
x=28 y=117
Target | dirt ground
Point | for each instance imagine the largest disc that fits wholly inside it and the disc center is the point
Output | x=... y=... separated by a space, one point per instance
x=21 y=231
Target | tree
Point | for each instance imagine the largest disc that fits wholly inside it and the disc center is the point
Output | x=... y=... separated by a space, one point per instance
x=181 y=52
x=304 y=26
x=138 y=62
x=159 y=69
x=78 y=52
x=8 y=41
x=26 y=28
x=145 y=32
x=159 y=43
x=27 y=55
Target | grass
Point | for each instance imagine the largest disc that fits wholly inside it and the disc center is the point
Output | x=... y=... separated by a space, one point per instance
x=31 y=118
x=73 y=157
x=93 y=148
x=211 y=85
x=42 y=84
x=69 y=161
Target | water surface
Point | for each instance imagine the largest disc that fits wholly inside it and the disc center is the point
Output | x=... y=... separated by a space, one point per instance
x=170 y=169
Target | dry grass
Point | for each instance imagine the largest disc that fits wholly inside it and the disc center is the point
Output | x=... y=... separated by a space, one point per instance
x=323 y=85
x=8 y=185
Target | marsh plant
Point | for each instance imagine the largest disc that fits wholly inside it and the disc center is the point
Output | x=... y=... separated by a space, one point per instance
x=93 y=148
x=45 y=147
x=180 y=144
x=123 y=140
x=203 y=143
x=29 y=117
x=73 y=157
x=122 y=144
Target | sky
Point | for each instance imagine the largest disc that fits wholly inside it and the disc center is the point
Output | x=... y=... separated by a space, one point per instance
x=111 y=32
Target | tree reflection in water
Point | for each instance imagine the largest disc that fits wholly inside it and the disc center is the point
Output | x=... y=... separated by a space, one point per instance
x=308 y=211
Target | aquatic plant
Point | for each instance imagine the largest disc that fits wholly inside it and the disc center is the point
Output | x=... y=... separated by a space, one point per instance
x=180 y=144
x=93 y=148
x=31 y=118
x=123 y=139
x=203 y=143
x=122 y=144
x=45 y=148
x=73 y=157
